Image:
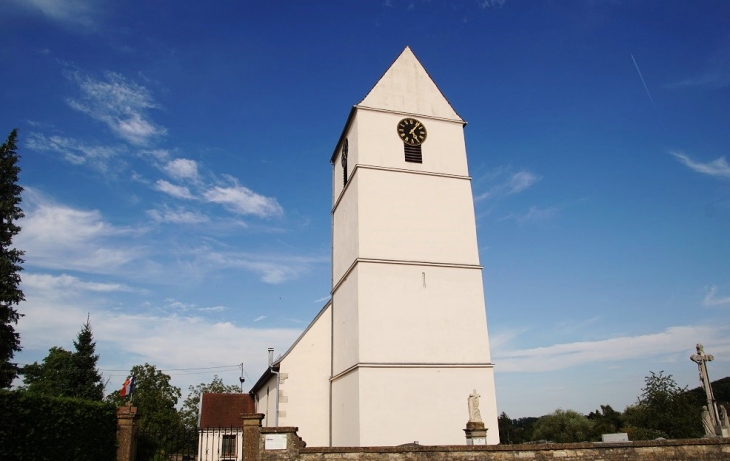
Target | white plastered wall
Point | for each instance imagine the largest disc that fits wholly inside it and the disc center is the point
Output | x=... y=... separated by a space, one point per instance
x=428 y=405
x=304 y=382
x=266 y=401
x=346 y=408
x=345 y=324
x=210 y=444
x=416 y=217
x=421 y=314
x=443 y=152
x=345 y=233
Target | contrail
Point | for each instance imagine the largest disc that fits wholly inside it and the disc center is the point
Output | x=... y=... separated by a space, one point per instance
x=642 y=81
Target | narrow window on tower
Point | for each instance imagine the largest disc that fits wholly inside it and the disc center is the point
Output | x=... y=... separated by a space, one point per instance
x=344 y=162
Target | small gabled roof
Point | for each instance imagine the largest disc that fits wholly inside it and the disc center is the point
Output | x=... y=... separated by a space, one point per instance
x=406 y=87
x=224 y=410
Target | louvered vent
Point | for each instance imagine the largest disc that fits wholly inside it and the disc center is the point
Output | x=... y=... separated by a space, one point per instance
x=413 y=153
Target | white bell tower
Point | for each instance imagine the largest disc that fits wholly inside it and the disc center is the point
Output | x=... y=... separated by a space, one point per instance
x=409 y=327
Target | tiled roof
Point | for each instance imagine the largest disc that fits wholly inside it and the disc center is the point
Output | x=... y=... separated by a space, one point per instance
x=224 y=410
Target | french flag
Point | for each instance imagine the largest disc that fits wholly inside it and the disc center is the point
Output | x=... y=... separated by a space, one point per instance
x=127 y=387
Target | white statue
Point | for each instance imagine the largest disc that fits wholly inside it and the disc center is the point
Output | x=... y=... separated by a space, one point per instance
x=707 y=422
x=475 y=416
x=723 y=417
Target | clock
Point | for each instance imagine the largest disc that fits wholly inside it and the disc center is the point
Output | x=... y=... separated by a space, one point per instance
x=411 y=131
x=344 y=153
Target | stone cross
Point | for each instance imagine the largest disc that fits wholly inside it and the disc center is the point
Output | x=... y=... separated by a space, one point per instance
x=711 y=415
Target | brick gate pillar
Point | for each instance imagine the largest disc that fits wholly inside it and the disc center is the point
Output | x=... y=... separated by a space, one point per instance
x=126 y=433
x=251 y=435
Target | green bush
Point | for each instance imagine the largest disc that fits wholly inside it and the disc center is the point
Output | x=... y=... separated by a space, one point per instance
x=41 y=428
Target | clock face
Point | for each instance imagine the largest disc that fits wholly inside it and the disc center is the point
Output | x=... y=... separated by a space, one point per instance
x=344 y=153
x=411 y=131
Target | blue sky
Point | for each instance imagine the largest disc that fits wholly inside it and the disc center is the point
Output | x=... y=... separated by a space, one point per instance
x=177 y=185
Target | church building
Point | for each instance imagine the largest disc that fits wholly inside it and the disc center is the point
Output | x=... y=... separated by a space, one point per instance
x=394 y=355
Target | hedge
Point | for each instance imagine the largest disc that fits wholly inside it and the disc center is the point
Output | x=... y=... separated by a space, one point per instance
x=40 y=428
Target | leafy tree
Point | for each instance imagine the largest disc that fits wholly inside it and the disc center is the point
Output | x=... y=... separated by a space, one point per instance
x=10 y=259
x=605 y=421
x=50 y=378
x=191 y=405
x=663 y=410
x=86 y=382
x=563 y=426
x=154 y=397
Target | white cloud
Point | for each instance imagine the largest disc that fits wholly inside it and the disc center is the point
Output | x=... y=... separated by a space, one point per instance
x=47 y=282
x=513 y=184
x=167 y=340
x=182 y=168
x=484 y=4
x=259 y=318
x=60 y=237
x=160 y=155
x=120 y=104
x=536 y=214
x=562 y=356
x=272 y=269
x=68 y=12
x=712 y=300
x=177 y=216
x=716 y=74
x=74 y=151
x=173 y=304
x=242 y=200
x=171 y=189
x=718 y=167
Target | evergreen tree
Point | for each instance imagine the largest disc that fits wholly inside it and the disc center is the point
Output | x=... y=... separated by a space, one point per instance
x=10 y=259
x=86 y=381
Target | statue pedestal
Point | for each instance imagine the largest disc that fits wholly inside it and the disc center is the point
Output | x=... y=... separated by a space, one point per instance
x=476 y=433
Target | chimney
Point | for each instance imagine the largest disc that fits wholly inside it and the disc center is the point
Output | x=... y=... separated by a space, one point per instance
x=271 y=356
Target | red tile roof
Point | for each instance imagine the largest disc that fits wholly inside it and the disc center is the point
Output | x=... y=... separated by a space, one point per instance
x=224 y=410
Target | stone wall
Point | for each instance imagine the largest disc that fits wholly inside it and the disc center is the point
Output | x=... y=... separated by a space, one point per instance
x=285 y=445
x=674 y=450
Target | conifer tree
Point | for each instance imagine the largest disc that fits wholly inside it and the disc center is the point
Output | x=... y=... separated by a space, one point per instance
x=10 y=259
x=86 y=381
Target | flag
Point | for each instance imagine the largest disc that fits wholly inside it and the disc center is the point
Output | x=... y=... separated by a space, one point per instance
x=127 y=387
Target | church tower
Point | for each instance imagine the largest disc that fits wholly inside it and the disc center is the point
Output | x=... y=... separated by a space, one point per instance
x=409 y=336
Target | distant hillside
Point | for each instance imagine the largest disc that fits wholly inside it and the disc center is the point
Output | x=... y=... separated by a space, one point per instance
x=721 y=389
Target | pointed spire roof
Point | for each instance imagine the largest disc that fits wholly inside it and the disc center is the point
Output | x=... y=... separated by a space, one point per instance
x=407 y=87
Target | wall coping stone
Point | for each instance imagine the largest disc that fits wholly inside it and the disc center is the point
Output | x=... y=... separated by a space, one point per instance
x=516 y=447
x=278 y=429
